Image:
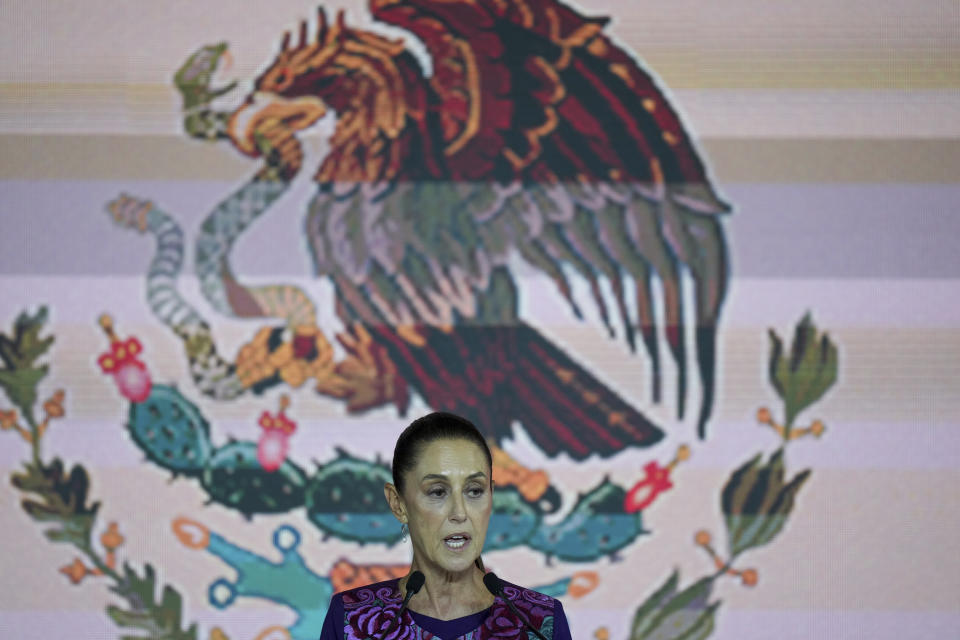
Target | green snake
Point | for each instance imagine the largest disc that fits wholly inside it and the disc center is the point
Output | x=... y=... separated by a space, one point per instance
x=213 y=375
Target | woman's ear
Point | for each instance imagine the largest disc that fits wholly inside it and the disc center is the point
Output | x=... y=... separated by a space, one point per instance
x=395 y=501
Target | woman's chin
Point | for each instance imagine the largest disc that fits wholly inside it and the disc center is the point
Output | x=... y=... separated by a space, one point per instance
x=456 y=563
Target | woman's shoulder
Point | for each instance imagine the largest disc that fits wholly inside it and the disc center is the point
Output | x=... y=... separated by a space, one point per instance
x=531 y=602
x=541 y=611
x=386 y=592
x=516 y=591
x=367 y=601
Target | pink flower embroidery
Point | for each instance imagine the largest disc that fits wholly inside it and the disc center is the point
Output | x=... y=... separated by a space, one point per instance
x=371 y=620
x=502 y=624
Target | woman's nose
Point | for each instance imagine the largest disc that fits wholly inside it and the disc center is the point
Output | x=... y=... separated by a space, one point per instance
x=458 y=508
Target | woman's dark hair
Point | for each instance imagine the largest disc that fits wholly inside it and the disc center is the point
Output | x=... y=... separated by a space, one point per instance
x=427 y=429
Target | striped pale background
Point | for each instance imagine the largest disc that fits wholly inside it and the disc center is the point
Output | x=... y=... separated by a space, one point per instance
x=832 y=127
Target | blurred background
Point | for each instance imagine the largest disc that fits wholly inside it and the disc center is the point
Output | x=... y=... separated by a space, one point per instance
x=823 y=500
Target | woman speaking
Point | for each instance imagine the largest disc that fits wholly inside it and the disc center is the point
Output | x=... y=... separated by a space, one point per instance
x=442 y=494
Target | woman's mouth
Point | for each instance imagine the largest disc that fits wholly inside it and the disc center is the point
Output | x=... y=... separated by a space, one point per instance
x=457 y=541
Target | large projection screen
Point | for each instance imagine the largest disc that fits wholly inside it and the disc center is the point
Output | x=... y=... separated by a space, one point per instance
x=690 y=267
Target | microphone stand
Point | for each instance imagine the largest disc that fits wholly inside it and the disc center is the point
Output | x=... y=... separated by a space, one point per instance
x=414 y=584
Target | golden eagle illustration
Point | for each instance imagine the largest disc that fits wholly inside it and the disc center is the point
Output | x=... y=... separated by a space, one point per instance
x=534 y=140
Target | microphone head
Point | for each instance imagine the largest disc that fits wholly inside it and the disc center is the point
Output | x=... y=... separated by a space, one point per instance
x=492 y=583
x=415 y=582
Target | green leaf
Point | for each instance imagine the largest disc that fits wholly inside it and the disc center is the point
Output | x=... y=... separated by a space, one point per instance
x=803 y=335
x=780 y=510
x=667 y=615
x=22 y=349
x=736 y=524
x=20 y=385
x=738 y=485
x=61 y=535
x=754 y=514
x=747 y=531
x=758 y=491
x=34 y=478
x=763 y=531
x=674 y=626
x=138 y=619
x=699 y=590
x=822 y=365
x=743 y=528
x=144 y=587
x=170 y=608
x=75 y=530
x=703 y=627
x=162 y=619
x=667 y=589
x=777 y=366
x=768 y=481
x=42 y=512
x=808 y=373
x=58 y=499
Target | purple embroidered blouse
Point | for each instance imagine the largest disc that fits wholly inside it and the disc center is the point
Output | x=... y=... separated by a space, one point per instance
x=366 y=612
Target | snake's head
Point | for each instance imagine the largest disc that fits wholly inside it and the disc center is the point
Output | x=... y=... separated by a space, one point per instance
x=194 y=77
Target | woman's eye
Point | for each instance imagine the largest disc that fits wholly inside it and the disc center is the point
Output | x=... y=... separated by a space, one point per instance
x=437 y=492
x=475 y=492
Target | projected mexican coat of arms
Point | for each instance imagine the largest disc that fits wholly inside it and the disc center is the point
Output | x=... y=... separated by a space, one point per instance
x=532 y=141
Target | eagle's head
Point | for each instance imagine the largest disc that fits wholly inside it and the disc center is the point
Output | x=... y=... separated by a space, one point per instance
x=338 y=68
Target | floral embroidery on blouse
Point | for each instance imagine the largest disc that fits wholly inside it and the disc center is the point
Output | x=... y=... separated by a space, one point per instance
x=370 y=611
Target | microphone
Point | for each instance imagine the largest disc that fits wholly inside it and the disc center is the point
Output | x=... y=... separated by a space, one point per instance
x=414 y=584
x=495 y=586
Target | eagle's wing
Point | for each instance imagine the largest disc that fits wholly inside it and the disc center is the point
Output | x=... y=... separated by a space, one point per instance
x=588 y=155
x=422 y=268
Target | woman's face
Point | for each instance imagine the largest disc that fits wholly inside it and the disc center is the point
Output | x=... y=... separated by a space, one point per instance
x=446 y=502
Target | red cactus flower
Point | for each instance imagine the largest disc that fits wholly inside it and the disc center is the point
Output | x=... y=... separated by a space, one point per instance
x=272 y=449
x=274 y=441
x=121 y=361
x=133 y=381
x=642 y=495
x=279 y=422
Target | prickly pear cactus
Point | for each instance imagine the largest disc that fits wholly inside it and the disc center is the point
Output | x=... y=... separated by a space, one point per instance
x=171 y=431
x=235 y=479
x=597 y=525
x=513 y=520
x=345 y=499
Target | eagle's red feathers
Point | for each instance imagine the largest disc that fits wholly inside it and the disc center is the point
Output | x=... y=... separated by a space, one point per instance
x=534 y=135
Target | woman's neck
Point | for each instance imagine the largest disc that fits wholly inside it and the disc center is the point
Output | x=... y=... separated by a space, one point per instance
x=446 y=596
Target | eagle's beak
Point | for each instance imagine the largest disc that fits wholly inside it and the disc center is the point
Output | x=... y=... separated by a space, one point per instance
x=267 y=111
